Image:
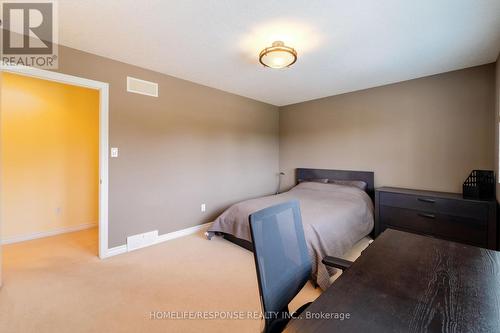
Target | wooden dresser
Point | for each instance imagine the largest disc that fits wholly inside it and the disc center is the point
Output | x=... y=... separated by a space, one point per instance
x=442 y=215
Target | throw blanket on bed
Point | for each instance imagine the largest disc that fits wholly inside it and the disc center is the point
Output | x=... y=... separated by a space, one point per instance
x=335 y=217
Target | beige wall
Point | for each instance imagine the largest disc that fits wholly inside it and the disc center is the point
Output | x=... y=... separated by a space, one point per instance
x=427 y=133
x=50 y=156
x=196 y=144
x=191 y=145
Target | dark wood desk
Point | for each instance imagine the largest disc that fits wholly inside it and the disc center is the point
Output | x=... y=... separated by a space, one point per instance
x=410 y=283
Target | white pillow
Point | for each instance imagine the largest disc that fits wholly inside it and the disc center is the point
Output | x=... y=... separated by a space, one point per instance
x=356 y=183
x=315 y=180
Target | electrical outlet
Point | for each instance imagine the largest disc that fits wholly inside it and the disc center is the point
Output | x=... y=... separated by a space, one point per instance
x=203 y=207
x=114 y=152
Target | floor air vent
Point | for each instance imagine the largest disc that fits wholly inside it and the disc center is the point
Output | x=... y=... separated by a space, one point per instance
x=142 y=87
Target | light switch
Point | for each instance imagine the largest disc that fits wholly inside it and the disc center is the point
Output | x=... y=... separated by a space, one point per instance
x=114 y=152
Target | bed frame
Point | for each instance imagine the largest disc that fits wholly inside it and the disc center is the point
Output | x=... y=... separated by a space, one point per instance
x=366 y=176
x=307 y=174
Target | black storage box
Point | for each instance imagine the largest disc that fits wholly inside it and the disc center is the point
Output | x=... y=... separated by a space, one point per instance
x=480 y=185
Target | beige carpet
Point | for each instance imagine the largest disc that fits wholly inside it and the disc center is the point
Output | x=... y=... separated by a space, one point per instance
x=58 y=284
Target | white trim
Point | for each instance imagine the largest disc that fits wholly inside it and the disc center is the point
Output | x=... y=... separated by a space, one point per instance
x=161 y=238
x=114 y=251
x=103 y=170
x=103 y=134
x=182 y=233
x=53 y=76
x=43 y=234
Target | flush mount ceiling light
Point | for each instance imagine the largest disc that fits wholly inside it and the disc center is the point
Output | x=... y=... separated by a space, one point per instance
x=278 y=56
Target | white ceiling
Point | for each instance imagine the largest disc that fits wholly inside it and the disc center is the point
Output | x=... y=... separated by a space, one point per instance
x=342 y=45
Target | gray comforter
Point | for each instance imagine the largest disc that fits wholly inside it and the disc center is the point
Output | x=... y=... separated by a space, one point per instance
x=335 y=217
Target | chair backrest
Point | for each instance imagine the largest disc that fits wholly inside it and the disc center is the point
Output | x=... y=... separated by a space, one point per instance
x=281 y=257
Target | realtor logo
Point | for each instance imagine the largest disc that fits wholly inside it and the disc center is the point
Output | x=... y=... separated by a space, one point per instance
x=29 y=35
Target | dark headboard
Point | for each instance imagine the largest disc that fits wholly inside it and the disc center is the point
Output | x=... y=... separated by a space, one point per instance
x=366 y=176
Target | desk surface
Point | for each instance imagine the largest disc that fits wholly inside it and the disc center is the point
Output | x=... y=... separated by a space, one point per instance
x=409 y=283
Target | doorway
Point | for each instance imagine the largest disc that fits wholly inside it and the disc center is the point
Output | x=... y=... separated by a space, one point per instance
x=99 y=209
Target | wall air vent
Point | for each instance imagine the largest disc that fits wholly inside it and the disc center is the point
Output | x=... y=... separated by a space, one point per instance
x=142 y=87
x=142 y=240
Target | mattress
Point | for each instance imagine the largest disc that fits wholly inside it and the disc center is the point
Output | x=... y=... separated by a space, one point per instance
x=335 y=217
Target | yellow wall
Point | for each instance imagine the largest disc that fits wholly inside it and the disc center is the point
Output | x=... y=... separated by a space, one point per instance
x=50 y=155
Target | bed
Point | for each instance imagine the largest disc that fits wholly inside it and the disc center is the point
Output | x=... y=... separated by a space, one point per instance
x=335 y=215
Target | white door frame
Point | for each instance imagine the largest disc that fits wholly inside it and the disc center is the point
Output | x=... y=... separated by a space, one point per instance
x=103 y=89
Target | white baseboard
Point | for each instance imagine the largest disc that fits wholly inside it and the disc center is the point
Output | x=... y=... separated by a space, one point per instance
x=42 y=234
x=114 y=251
x=161 y=238
x=182 y=233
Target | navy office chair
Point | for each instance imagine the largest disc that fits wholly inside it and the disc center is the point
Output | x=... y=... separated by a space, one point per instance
x=282 y=261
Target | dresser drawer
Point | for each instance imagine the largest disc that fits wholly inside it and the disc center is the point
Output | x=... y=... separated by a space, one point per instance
x=462 y=208
x=472 y=231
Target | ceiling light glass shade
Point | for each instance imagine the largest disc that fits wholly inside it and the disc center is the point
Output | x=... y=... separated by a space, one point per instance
x=278 y=56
